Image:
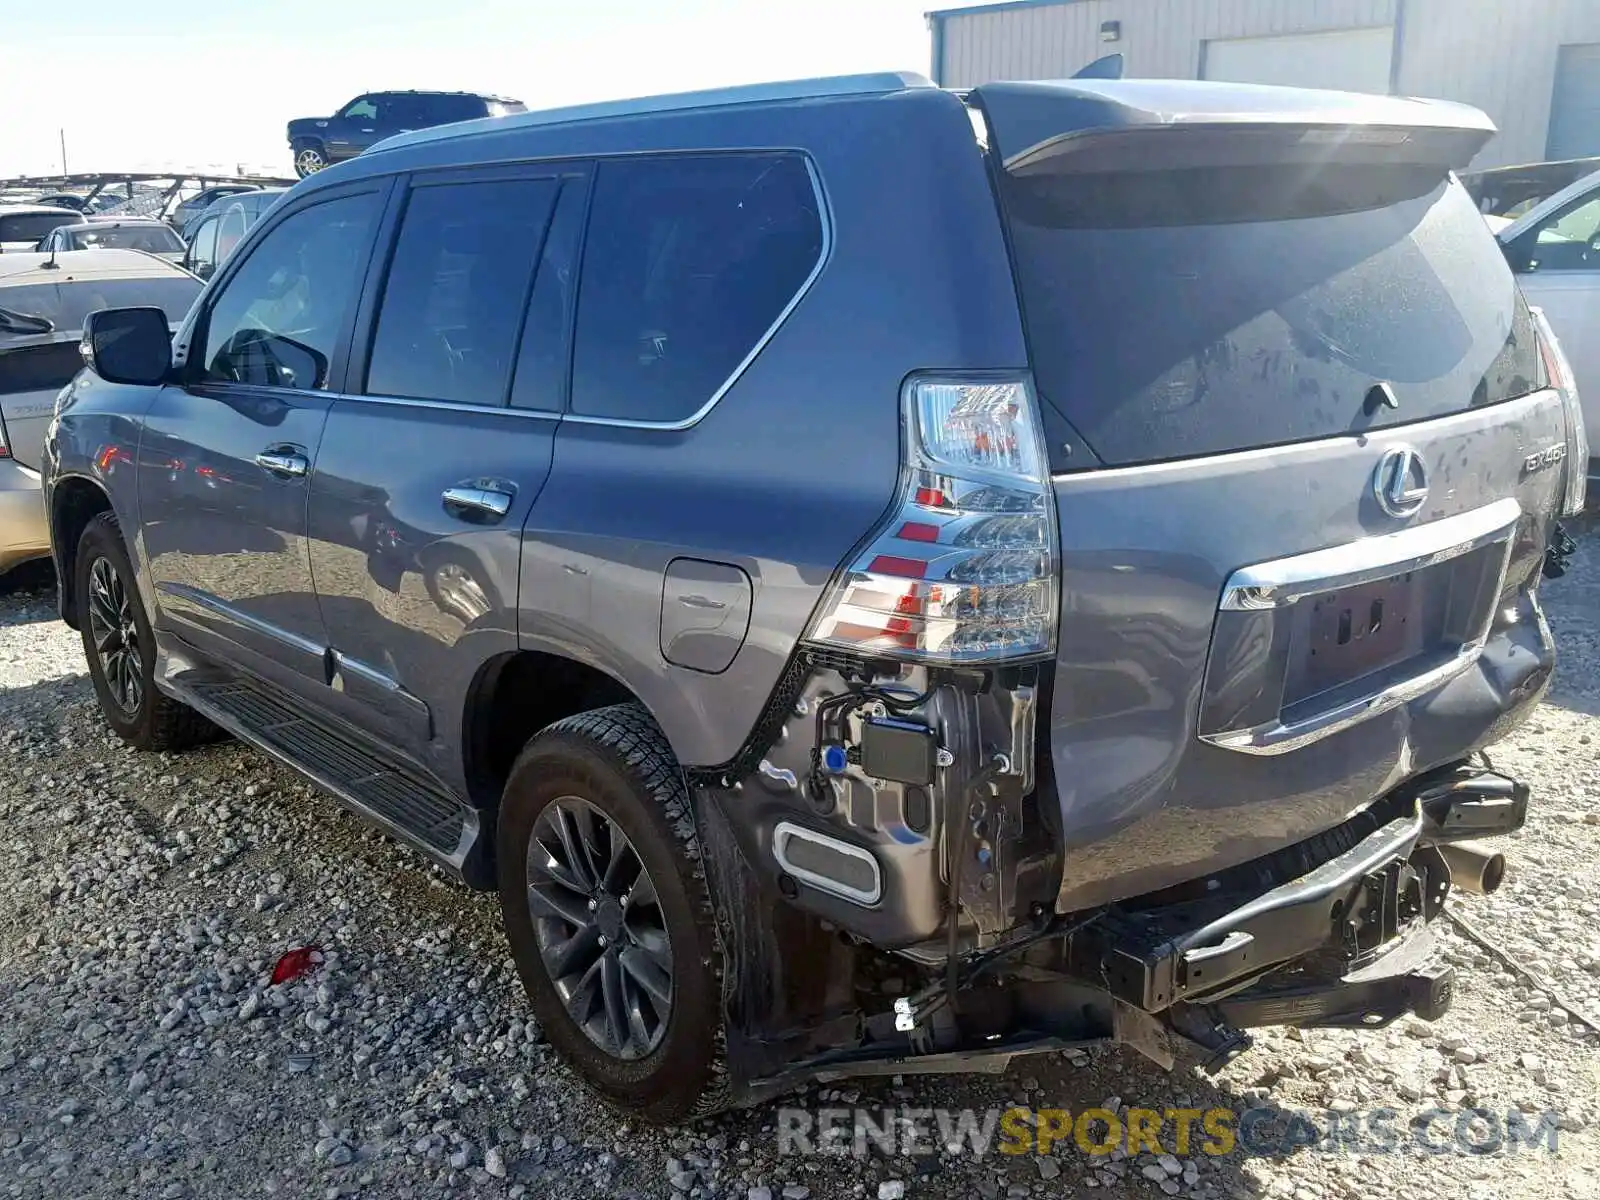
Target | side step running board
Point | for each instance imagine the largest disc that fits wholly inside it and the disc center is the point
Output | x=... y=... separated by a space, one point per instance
x=396 y=799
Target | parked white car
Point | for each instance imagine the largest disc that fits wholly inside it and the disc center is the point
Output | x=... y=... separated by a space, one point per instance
x=22 y=225
x=43 y=304
x=1554 y=248
x=117 y=233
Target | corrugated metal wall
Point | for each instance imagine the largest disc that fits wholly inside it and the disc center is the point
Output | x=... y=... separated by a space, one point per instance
x=1162 y=38
x=1502 y=58
x=1498 y=54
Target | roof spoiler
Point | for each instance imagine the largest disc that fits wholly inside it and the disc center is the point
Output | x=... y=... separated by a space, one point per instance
x=1092 y=125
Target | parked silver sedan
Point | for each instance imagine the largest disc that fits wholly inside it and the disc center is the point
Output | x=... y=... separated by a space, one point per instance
x=117 y=233
x=42 y=310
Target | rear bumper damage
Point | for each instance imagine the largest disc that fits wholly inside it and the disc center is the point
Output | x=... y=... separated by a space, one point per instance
x=1332 y=932
x=1349 y=943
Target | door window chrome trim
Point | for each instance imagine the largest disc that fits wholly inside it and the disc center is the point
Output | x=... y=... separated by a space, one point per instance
x=538 y=414
x=824 y=256
x=786 y=831
x=1284 y=581
x=1492 y=524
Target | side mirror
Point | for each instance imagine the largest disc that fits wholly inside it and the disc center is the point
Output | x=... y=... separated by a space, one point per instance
x=128 y=345
x=1517 y=257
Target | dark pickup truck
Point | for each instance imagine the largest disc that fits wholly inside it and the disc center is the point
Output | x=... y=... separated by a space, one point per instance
x=368 y=119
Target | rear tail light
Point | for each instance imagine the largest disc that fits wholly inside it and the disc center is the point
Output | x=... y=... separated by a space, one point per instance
x=1566 y=384
x=964 y=569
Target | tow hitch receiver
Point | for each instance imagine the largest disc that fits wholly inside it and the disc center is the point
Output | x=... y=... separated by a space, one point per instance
x=1360 y=898
x=1366 y=893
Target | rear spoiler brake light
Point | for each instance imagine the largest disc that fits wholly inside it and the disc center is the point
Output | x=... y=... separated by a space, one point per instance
x=1190 y=145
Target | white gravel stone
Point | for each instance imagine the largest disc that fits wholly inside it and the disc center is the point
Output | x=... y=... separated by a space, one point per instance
x=129 y=884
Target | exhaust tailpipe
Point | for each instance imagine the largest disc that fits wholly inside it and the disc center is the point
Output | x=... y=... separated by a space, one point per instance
x=1474 y=867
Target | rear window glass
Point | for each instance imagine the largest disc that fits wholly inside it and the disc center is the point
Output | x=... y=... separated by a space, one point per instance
x=156 y=239
x=1181 y=313
x=687 y=263
x=32 y=227
x=457 y=290
x=66 y=304
x=46 y=368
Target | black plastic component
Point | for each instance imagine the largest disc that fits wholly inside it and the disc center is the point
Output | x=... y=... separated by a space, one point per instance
x=919 y=810
x=1556 y=554
x=900 y=751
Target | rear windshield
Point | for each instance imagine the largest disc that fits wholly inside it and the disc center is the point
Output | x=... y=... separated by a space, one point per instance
x=1181 y=313
x=157 y=239
x=46 y=368
x=66 y=304
x=33 y=227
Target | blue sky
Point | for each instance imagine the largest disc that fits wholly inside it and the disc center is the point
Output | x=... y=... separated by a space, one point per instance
x=157 y=84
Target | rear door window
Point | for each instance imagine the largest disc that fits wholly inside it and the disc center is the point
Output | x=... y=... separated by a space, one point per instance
x=688 y=263
x=1568 y=240
x=1180 y=313
x=457 y=290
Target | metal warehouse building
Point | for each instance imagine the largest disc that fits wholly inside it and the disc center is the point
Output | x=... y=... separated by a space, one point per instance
x=1532 y=65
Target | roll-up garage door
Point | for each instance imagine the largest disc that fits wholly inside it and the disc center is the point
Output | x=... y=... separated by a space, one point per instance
x=1575 y=106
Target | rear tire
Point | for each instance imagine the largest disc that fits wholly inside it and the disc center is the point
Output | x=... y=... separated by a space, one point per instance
x=587 y=794
x=309 y=158
x=121 y=647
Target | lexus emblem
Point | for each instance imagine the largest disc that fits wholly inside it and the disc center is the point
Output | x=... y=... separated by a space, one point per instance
x=1400 y=482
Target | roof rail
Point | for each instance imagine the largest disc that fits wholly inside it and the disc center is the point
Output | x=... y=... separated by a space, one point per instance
x=760 y=93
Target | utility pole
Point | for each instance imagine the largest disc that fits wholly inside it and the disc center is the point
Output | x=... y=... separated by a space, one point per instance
x=63 y=134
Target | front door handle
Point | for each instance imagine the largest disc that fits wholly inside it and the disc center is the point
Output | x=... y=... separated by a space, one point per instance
x=477 y=503
x=284 y=462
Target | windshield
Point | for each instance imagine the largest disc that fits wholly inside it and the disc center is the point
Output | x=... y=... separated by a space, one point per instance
x=33 y=227
x=66 y=304
x=1178 y=313
x=157 y=239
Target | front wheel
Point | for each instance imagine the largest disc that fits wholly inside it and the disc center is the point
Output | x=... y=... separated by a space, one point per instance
x=121 y=647
x=610 y=921
x=308 y=160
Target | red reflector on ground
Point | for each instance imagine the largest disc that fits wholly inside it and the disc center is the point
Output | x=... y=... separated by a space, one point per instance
x=296 y=964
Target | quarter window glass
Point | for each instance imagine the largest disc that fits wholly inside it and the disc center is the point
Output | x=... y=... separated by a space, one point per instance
x=277 y=321
x=457 y=290
x=541 y=375
x=1567 y=241
x=687 y=263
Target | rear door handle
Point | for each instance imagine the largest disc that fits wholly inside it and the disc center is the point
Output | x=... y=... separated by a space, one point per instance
x=284 y=462
x=477 y=502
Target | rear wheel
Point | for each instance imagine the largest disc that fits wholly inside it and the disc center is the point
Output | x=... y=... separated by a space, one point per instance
x=121 y=647
x=606 y=908
x=309 y=158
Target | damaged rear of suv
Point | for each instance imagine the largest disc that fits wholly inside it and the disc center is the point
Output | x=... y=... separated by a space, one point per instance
x=907 y=579
x=1150 y=708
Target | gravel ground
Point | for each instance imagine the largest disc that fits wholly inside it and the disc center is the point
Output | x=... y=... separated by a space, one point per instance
x=144 y=900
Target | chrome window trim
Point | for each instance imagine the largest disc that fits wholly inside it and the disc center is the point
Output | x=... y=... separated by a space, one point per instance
x=1278 y=584
x=787 y=831
x=824 y=256
x=538 y=414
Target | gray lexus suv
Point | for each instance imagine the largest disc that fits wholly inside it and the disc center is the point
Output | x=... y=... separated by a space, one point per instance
x=869 y=574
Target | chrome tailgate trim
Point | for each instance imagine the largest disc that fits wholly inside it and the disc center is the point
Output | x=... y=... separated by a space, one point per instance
x=1284 y=581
